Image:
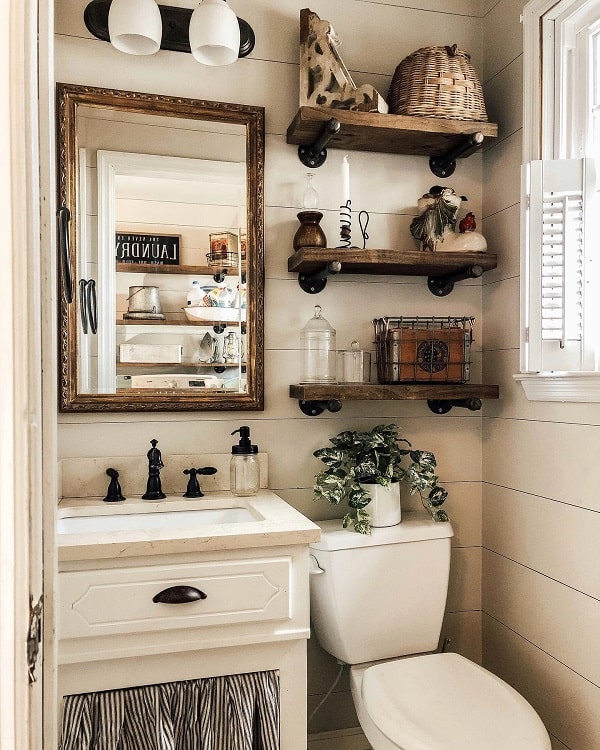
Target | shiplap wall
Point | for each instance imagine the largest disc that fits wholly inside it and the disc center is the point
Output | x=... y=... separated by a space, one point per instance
x=541 y=508
x=375 y=36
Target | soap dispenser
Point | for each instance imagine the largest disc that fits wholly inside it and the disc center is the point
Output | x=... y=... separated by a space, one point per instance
x=244 y=467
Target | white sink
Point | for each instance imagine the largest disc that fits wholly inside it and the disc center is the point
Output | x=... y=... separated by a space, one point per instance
x=188 y=519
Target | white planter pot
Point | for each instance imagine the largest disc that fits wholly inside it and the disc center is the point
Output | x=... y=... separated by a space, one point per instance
x=384 y=507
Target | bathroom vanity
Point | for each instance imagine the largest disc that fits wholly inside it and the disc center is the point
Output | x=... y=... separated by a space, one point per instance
x=237 y=569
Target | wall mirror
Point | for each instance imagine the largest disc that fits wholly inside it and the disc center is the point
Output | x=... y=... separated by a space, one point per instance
x=160 y=237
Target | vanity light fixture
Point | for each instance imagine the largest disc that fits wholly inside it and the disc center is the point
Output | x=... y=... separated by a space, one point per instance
x=212 y=32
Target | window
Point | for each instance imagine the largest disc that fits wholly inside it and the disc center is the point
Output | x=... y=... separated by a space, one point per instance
x=560 y=348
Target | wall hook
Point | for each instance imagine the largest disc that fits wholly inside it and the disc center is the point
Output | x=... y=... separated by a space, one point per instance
x=444 y=166
x=314 y=156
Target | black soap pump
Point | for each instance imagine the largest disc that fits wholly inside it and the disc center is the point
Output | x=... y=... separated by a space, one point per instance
x=244 y=467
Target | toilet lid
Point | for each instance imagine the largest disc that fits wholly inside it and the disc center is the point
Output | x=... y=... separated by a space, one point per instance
x=447 y=702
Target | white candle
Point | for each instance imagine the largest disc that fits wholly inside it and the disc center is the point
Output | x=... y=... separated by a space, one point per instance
x=345 y=180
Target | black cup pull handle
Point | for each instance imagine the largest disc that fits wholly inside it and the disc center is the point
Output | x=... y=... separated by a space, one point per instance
x=178 y=595
x=64 y=252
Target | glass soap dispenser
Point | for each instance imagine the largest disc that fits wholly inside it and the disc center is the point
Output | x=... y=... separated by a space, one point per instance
x=318 y=344
x=244 y=466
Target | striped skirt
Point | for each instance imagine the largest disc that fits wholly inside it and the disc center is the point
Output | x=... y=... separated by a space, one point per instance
x=234 y=712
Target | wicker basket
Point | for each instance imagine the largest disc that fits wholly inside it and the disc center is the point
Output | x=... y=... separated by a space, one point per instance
x=437 y=82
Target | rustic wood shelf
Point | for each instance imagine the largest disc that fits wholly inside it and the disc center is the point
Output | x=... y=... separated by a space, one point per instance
x=388 y=262
x=390 y=134
x=156 y=268
x=177 y=365
x=397 y=392
x=441 y=397
x=187 y=323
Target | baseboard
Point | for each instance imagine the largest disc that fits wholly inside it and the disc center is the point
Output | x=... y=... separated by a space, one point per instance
x=341 y=739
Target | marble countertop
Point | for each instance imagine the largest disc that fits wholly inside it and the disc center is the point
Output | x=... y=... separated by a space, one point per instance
x=276 y=523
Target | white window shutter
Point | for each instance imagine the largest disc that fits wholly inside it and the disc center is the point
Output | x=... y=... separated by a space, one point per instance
x=558 y=193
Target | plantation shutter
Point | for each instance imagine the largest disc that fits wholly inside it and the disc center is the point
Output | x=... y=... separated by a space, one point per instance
x=558 y=194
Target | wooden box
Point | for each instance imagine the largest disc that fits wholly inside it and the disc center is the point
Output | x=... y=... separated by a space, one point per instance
x=407 y=354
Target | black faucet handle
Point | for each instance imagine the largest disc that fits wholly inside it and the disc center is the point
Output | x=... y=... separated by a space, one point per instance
x=193 y=486
x=113 y=494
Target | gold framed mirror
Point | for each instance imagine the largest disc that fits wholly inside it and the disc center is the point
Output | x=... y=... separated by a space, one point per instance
x=161 y=252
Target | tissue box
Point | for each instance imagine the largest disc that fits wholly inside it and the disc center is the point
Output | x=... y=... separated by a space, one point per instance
x=161 y=354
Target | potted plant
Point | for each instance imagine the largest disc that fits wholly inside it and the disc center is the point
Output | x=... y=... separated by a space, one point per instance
x=379 y=457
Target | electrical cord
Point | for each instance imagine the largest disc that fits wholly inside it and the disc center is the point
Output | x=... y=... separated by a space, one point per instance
x=327 y=694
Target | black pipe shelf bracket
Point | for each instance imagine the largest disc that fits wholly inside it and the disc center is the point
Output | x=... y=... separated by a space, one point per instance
x=313 y=283
x=444 y=406
x=175 y=27
x=444 y=166
x=314 y=156
x=441 y=286
x=314 y=408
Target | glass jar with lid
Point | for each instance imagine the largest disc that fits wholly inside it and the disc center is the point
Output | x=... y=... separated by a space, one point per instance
x=319 y=351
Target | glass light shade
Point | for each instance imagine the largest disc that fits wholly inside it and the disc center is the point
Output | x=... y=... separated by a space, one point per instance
x=135 y=26
x=214 y=33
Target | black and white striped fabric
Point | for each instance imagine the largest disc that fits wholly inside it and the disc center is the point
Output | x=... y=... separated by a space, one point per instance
x=234 y=712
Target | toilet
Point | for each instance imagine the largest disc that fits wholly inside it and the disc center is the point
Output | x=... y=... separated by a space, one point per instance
x=377 y=604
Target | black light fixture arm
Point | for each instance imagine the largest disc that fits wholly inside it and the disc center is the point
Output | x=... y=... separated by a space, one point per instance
x=175 y=27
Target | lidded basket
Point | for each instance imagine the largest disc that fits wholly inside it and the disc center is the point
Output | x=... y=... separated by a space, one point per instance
x=437 y=82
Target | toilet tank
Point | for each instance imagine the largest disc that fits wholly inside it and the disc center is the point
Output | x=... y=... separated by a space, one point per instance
x=380 y=595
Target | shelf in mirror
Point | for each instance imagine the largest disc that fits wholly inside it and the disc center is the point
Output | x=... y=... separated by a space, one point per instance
x=178 y=323
x=165 y=269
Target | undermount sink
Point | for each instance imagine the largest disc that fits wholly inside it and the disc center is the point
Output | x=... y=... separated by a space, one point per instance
x=168 y=519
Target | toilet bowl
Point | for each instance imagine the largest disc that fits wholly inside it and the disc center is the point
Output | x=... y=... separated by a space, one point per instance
x=377 y=603
x=442 y=702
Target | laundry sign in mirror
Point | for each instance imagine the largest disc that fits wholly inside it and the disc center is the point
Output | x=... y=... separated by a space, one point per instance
x=155 y=249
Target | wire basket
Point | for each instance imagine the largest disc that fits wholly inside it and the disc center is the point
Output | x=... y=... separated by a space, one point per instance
x=417 y=350
x=437 y=82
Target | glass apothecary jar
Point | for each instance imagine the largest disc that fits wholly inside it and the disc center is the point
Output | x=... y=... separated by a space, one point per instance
x=319 y=351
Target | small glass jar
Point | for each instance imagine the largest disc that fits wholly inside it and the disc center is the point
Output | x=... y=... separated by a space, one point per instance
x=354 y=364
x=319 y=352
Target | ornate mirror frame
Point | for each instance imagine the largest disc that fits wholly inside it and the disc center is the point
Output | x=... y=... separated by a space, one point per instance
x=69 y=99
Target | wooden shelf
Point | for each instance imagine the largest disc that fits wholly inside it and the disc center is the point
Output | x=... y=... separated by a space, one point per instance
x=441 y=397
x=189 y=270
x=400 y=392
x=178 y=323
x=177 y=365
x=390 y=134
x=388 y=262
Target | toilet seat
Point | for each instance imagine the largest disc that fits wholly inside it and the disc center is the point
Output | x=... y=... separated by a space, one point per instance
x=446 y=702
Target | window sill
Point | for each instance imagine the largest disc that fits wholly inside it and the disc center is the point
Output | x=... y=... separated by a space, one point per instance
x=579 y=387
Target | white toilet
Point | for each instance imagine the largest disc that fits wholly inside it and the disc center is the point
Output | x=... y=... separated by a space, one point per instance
x=376 y=602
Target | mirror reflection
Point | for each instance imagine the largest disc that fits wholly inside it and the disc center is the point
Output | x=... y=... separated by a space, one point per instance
x=165 y=258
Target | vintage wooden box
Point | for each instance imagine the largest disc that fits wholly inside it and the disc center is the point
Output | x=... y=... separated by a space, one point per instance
x=416 y=350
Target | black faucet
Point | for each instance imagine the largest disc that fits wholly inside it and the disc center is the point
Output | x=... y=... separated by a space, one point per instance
x=155 y=464
x=193 y=486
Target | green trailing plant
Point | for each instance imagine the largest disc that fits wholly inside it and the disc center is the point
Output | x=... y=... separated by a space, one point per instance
x=378 y=456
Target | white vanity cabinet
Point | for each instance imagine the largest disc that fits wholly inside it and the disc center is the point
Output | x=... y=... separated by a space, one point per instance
x=252 y=614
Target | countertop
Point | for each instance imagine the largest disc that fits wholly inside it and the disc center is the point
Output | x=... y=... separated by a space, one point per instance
x=277 y=524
